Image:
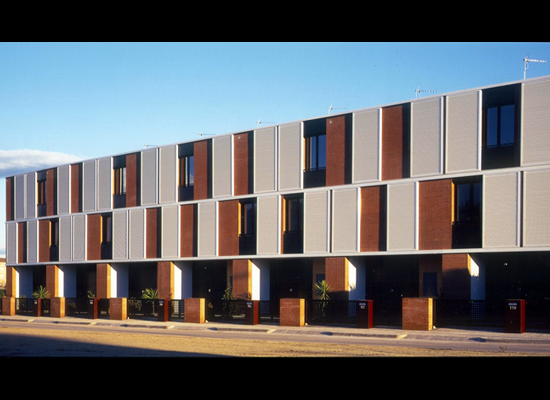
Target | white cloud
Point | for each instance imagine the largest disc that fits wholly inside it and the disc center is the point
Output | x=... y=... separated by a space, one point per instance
x=13 y=162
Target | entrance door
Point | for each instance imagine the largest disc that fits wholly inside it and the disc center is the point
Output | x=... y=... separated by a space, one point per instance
x=430 y=284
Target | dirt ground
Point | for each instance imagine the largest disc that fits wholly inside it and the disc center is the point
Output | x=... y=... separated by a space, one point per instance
x=24 y=342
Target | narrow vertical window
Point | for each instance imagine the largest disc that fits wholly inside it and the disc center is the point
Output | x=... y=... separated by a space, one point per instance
x=54 y=233
x=106 y=229
x=120 y=181
x=186 y=171
x=41 y=193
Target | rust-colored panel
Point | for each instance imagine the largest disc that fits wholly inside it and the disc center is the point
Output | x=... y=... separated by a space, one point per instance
x=372 y=222
x=51 y=206
x=435 y=228
x=202 y=170
x=9 y=199
x=21 y=242
x=187 y=235
x=94 y=237
x=336 y=151
x=241 y=165
x=76 y=188
x=228 y=228
x=392 y=143
x=151 y=245
x=132 y=178
x=43 y=240
x=103 y=278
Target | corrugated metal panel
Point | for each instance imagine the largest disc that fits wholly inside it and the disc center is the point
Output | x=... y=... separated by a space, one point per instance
x=536 y=212
x=137 y=236
x=536 y=123
x=63 y=189
x=149 y=177
x=168 y=174
x=366 y=146
x=19 y=197
x=463 y=132
x=402 y=217
x=426 y=137
x=222 y=178
x=89 y=186
x=345 y=220
x=32 y=241
x=268 y=235
x=290 y=157
x=120 y=235
x=207 y=228
x=500 y=210
x=79 y=237
x=104 y=184
x=170 y=232
x=65 y=239
x=316 y=222
x=264 y=160
x=11 y=242
x=31 y=195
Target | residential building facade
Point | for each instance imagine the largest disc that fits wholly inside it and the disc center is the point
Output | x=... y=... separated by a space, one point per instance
x=444 y=196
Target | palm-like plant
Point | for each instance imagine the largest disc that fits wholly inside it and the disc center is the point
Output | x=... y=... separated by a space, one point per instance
x=41 y=293
x=322 y=289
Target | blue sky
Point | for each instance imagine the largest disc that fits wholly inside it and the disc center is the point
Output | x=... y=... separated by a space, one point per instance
x=60 y=102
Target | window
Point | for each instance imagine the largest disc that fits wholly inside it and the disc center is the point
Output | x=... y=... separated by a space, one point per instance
x=120 y=181
x=501 y=113
x=467 y=213
x=293 y=224
x=41 y=193
x=186 y=171
x=54 y=233
x=316 y=152
x=106 y=229
x=247 y=225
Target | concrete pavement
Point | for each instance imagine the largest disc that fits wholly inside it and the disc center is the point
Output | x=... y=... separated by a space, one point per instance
x=439 y=334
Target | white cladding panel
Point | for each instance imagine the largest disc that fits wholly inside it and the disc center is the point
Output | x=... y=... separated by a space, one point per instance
x=120 y=235
x=31 y=195
x=168 y=174
x=65 y=239
x=19 y=197
x=463 y=132
x=536 y=213
x=290 y=156
x=63 y=189
x=148 y=177
x=222 y=149
x=169 y=231
x=500 y=210
x=402 y=217
x=207 y=229
x=426 y=137
x=268 y=225
x=32 y=241
x=104 y=184
x=79 y=237
x=264 y=160
x=89 y=186
x=345 y=220
x=11 y=243
x=137 y=233
x=536 y=123
x=316 y=222
x=366 y=146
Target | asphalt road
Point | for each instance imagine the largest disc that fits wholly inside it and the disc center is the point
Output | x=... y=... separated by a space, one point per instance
x=21 y=339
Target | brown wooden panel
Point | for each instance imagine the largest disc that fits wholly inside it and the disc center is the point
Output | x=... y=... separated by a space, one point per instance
x=336 y=151
x=188 y=237
x=93 y=234
x=152 y=248
x=228 y=233
x=435 y=215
